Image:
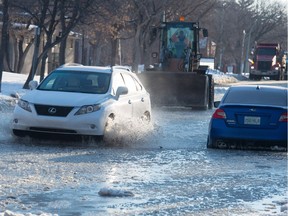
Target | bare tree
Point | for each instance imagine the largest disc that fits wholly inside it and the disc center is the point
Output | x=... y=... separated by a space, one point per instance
x=147 y=14
x=4 y=36
x=46 y=15
x=236 y=25
x=22 y=43
x=105 y=23
x=71 y=13
x=269 y=17
x=230 y=23
x=106 y=27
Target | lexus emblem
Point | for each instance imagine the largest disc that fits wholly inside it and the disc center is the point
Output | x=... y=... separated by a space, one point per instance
x=52 y=110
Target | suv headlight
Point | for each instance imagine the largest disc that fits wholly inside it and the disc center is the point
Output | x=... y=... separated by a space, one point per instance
x=88 y=109
x=24 y=105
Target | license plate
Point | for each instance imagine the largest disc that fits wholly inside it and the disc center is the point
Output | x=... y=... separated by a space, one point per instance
x=252 y=120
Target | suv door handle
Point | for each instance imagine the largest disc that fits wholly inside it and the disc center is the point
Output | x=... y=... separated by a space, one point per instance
x=129 y=102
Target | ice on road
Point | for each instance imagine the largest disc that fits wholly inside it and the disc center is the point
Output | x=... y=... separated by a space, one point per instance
x=166 y=170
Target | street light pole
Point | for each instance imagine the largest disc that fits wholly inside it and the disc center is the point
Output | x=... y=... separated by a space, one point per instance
x=36 y=51
x=221 y=37
x=242 y=52
x=120 y=51
x=246 y=65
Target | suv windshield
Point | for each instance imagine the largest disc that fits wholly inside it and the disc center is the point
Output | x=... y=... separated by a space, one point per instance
x=76 y=81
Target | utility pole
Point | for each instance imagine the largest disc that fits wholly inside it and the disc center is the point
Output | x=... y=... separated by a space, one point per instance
x=36 y=51
x=248 y=47
x=242 y=52
x=120 y=51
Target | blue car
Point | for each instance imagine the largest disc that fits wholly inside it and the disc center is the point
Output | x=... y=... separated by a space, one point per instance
x=250 y=117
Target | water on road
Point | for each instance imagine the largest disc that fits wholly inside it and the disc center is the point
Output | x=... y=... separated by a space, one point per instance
x=163 y=170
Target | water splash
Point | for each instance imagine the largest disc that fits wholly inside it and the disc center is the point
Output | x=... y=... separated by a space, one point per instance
x=122 y=133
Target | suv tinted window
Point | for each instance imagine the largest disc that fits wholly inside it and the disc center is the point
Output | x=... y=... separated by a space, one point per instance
x=138 y=85
x=130 y=83
x=117 y=82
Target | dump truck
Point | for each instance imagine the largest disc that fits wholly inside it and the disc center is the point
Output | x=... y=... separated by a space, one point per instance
x=267 y=62
x=176 y=77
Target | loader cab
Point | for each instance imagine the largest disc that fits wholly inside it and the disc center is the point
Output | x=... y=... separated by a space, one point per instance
x=179 y=46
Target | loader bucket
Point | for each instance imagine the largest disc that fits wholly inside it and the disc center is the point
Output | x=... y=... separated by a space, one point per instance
x=177 y=89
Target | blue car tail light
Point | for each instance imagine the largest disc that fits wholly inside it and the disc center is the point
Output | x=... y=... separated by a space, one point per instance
x=284 y=117
x=219 y=114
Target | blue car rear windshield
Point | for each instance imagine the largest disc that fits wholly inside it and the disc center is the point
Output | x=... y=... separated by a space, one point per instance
x=76 y=81
x=262 y=96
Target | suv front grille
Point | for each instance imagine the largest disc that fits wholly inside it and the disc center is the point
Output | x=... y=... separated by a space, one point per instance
x=52 y=130
x=50 y=110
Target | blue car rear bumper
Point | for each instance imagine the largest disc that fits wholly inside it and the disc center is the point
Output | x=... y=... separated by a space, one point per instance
x=219 y=130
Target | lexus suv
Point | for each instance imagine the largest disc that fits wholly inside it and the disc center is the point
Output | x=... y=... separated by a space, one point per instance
x=81 y=100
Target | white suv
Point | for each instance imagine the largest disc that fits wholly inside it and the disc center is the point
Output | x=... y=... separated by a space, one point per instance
x=81 y=100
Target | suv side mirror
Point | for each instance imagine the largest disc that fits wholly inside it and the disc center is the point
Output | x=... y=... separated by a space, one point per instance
x=121 y=90
x=33 y=84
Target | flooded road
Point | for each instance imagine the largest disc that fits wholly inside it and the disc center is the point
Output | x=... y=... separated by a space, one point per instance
x=166 y=170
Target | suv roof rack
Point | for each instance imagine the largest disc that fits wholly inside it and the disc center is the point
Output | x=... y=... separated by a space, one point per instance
x=70 y=64
x=121 y=67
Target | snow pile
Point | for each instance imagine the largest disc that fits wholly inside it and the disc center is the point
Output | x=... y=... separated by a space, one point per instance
x=221 y=79
x=270 y=206
x=228 y=78
x=11 y=87
x=12 y=84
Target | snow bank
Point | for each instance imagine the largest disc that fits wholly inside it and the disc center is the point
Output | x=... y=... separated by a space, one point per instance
x=221 y=79
x=228 y=78
x=274 y=205
x=12 y=83
x=12 y=88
